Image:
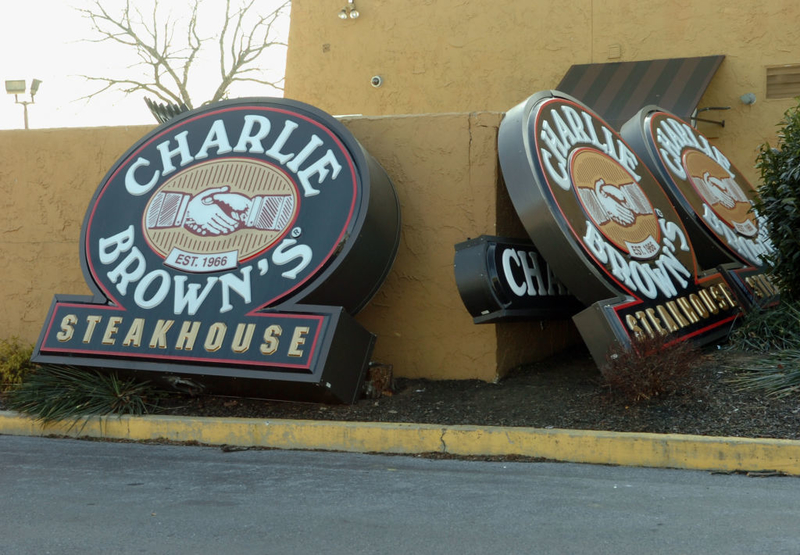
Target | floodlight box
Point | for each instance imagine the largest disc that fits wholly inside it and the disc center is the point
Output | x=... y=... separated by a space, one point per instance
x=16 y=86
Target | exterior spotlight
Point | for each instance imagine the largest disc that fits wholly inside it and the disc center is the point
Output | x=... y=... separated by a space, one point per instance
x=17 y=87
x=35 y=87
x=349 y=11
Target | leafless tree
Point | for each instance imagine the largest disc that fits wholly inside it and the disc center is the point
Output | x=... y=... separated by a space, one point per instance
x=167 y=47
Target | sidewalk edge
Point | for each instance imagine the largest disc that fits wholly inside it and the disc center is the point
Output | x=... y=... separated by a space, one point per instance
x=724 y=454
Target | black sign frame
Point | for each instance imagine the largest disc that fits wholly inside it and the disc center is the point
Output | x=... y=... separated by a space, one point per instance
x=177 y=214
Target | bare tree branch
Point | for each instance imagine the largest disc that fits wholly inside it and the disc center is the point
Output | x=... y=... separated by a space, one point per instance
x=168 y=47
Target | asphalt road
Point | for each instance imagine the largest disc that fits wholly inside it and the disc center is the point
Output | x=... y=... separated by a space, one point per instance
x=62 y=496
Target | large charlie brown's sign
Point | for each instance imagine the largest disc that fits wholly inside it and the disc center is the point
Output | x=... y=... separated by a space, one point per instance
x=676 y=253
x=235 y=241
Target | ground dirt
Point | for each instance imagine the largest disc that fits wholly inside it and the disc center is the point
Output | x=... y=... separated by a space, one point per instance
x=564 y=391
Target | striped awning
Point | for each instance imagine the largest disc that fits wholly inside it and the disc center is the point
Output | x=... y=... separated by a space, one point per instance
x=618 y=90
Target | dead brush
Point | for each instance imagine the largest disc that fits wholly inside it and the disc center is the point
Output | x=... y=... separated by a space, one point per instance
x=650 y=368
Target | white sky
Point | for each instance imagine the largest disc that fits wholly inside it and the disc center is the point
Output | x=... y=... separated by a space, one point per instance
x=42 y=39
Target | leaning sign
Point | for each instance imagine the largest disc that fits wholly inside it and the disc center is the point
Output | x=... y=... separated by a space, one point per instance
x=623 y=240
x=232 y=246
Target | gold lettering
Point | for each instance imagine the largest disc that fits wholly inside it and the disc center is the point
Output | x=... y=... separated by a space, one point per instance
x=271 y=335
x=91 y=323
x=243 y=337
x=671 y=325
x=687 y=309
x=134 y=335
x=698 y=305
x=763 y=284
x=111 y=330
x=673 y=309
x=215 y=337
x=67 y=329
x=642 y=317
x=187 y=336
x=717 y=295
x=651 y=315
x=755 y=286
x=159 y=337
x=772 y=286
x=708 y=301
x=298 y=338
x=728 y=295
x=634 y=327
x=767 y=285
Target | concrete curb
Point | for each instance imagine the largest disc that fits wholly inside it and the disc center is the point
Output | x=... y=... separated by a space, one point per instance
x=726 y=454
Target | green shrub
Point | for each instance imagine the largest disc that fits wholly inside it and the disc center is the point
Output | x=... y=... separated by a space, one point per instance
x=652 y=367
x=15 y=362
x=779 y=206
x=52 y=393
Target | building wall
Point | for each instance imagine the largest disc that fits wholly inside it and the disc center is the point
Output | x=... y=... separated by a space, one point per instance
x=467 y=55
x=47 y=178
x=443 y=166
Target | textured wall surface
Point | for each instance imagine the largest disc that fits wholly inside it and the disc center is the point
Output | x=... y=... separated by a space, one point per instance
x=47 y=178
x=465 y=55
x=444 y=168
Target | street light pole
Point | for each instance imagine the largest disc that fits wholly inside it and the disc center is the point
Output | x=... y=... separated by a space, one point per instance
x=24 y=107
x=17 y=87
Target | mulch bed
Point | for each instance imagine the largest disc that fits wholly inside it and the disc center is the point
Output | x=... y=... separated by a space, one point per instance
x=562 y=392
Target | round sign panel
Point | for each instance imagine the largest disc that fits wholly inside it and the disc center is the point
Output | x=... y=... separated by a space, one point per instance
x=713 y=197
x=590 y=205
x=239 y=206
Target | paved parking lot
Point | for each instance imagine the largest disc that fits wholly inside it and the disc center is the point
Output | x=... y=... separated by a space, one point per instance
x=65 y=496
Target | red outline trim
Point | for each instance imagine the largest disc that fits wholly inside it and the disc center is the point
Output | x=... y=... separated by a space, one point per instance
x=642 y=166
x=217 y=361
x=713 y=277
x=112 y=177
x=652 y=137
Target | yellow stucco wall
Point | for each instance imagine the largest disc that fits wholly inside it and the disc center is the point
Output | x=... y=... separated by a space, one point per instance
x=47 y=178
x=465 y=55
x=443 y=166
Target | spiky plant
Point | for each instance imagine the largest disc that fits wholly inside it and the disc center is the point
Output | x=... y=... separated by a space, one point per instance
x=774 y=338
x=54 y=393
x=769 y=330
x=777 y=374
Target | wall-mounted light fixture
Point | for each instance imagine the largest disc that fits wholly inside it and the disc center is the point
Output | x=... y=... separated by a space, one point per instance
x=17 y=87
x=349 y=11
x=748 y=99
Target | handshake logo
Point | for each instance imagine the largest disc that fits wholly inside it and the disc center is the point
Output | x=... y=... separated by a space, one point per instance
x=217 y=211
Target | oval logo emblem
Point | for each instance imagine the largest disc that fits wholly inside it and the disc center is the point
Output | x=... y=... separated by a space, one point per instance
x=711 y=194
x=615 y=202
x=234 y=208
x=721 y=192
x=242 y=205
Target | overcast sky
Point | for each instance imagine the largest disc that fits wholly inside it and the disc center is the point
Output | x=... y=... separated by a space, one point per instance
x=42 y=39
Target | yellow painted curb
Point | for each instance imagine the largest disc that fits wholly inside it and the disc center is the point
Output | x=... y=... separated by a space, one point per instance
x=580 y=446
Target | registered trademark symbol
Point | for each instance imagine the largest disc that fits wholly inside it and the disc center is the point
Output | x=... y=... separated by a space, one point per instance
x=296 y=232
